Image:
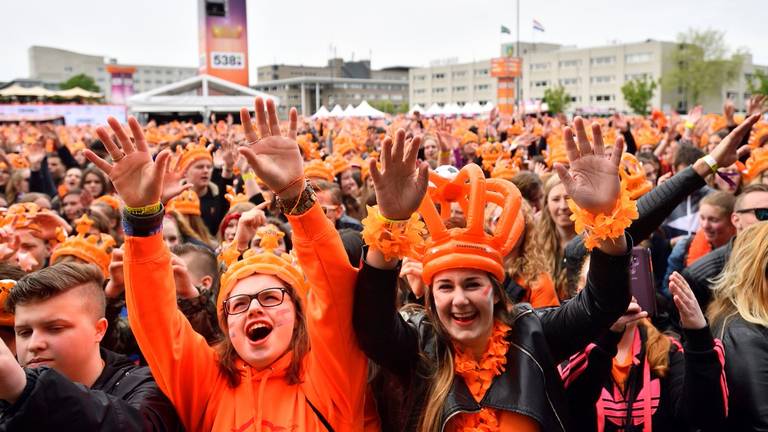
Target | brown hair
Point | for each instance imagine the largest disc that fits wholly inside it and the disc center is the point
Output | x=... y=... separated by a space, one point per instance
x=13 y=187
x=759 y=187
x=192 y=226
x=528 y=183
x=299 y=347
x=443 y=376
x=59 y=279
x=332 y=188
x=548 y=241
x=31 y=197
x=720 y=199
x=530 y=262
x=106 y=186
x=657 y=347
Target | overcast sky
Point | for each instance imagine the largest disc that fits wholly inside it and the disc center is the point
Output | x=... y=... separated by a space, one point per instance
x=391 y=32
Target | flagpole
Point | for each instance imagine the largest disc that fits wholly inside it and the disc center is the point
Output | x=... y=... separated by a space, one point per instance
x=517 y=54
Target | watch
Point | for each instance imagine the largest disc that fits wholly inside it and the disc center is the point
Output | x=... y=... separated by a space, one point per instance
x=301 y=204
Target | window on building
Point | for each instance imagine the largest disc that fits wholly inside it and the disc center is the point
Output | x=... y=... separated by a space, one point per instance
x=575 y=98
x=539 y=66
x=68 y=69
x=460 y=88
x=419 y=91
x=459 y=74
x=396 y=97
x=637 y=58
x=569 y=81
x=602 y=79
x=481 y=72
x=602 y=98
x=419 y=77
x=602 y=60
x=481 y=87
x=438 y=76
x=638 y=76
x=732 y=95
x=438 y=90
x=542 y=83
x=569 y=63
x=158 y=81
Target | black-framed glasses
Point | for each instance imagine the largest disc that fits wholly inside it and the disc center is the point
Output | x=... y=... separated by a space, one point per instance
x=240 y=303
x=760 y=213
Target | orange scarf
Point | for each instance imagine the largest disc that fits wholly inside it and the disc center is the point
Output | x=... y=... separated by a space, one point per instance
x=478 y=377
x=698 y=248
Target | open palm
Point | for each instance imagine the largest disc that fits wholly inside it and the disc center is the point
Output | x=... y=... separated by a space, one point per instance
x=276 y=159
x=592 y=178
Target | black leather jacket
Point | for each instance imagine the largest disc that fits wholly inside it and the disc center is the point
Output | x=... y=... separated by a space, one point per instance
x=746 y=369
x=406 y=347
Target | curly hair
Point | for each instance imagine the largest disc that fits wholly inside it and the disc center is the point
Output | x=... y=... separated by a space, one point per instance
x=549 y=243
x=530 y=260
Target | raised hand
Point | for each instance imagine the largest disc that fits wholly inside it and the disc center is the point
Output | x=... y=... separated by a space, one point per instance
x=136 y=177
x=634 y=313
x=116 y=284
x=444 y=137
x=757 y=104
x=691 y=316
x=248 y=224
x=729 y=149
x=276 y=159
x=172 y=185
x=402 y=181
x=412 y=271
x=592 y=180
x=13 y=379
x=728 y=109
x=620 y=122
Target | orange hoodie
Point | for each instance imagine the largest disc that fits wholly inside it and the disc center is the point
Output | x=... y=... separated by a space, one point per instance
x=186 y=368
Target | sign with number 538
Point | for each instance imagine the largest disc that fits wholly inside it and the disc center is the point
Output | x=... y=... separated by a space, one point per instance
x=227 y=60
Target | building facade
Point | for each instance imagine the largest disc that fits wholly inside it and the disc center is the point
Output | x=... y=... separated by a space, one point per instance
x=58 y=65
x=592 y=77
x=307 y=88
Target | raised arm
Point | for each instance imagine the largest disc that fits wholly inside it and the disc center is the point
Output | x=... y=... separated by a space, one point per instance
x=180 y=359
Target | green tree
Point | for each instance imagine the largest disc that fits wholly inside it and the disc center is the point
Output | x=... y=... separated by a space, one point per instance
x=85 y=82
x=385 y=106
x=557 y=99
x=703 y=63
x=638 y=94
x=403 y=108
x=759 y=83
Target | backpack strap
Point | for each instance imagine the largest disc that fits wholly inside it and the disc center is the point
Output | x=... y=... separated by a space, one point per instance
x=319 y=415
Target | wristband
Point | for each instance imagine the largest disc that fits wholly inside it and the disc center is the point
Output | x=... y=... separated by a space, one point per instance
x=709 y=160
x=690 y=125
x=383 y=218
x=146 y=210
x=250 y=175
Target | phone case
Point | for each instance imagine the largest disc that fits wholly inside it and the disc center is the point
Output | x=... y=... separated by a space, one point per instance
x=641 y=279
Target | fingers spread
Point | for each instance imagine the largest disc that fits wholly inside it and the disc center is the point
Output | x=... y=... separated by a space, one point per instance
x=597 y=137
x=581 y=137
x=261 y=117
x=138 y=134
x=570 y=145
x=618 y=149
x=99 y=162
x=564 y=175
x=113 y=149
x=245 y=119
x=274 y=124
x=386 y=154
x=293 y=121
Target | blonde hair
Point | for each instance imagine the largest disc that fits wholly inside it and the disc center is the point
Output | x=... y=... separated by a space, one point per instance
x=530 y=262
x=548 y=241
x=742 y=287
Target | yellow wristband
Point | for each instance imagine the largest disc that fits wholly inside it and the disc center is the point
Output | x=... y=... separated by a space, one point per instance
x=250 y=175
x=388 y=220
x=146 y=210
x=690 y=125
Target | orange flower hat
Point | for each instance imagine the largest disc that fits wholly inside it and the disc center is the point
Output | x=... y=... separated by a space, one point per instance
x=647 y=136
x=319 y=169
x=234 y=198
x=633 y=175
x=186 y=203
x=338 y=163
x=94 y=249
x=469 y=247
x=308 y=147
x=6 y=318
x=109 y=200
x=756 y=164
x=505 y=169
x=260 y=260
x=344 y=144
x=46 y=224
x=490 y=152
x=759 y=135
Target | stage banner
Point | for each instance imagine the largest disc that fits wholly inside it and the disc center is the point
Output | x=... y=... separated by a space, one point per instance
x=72 y=114
x=223 y=39
x=121 y=80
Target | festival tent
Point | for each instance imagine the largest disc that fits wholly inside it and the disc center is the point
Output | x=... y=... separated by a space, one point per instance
x=17 y=90
x=366 y=110
x=469 y=109
x=434 y=110
x=77 y=92
x=415 y=108
x=349 y=111
x=451 y=109
x=202 y=94
x=321 y=113
x=336 y=111
x=486 y=108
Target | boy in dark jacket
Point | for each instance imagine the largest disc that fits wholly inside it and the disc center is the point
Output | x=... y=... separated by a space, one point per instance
x=63 y=380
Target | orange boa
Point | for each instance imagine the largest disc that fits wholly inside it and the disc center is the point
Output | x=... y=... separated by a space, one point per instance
x=478 y=377
x=698 y=248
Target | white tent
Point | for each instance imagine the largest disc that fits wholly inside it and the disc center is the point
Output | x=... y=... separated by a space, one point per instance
x=349 y=111
x=469 y=109
x=366 y=110
x=487 y=107
x=321 y=113
x=201 y=93
x=337 y=111
x=452 y=109
x=434 y=110
x=17 y=90
x=415 y=108
x=76 y=92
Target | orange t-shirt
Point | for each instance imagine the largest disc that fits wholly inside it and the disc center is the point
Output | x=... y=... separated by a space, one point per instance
x=541 y=292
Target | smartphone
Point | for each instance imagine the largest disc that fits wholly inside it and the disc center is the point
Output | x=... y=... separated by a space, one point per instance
x=641 y=279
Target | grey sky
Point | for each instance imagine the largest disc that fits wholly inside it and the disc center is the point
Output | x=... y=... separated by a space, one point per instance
x=396 y=32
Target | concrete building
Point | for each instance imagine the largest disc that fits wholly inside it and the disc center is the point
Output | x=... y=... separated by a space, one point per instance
x=58 y=65
x=593 y=77
x=339 y=82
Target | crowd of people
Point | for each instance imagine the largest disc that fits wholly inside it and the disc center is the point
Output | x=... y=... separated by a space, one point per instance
x=526 y=272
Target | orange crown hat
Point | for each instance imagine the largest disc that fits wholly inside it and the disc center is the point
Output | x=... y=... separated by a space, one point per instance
x=634 y=177
x=93 y=249
x=490 y=152
x=343 y=145
x=357 y=162
x=556 y=154
x=317 y=168
x=45 y=224
x=338 y=163
x=718 y=122
x=647 y=136
x=6 y=318
x=505 y=169
x=261 y=260
x=659 y=118
x=756 y=164
x=516 y=129
x=469 y=247
x=18 y=161
x=308 y=147
x=759 y=135
x=235 y=198
x=186 y=203
x=191 y=154
x=109 y=200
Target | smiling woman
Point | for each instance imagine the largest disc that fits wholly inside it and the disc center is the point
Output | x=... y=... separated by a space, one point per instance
x=472 y=360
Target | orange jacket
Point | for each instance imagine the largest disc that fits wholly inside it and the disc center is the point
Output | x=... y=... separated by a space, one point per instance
x=186 y=368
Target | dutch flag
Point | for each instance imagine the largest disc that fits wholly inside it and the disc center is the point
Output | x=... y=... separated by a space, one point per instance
x=537 y=26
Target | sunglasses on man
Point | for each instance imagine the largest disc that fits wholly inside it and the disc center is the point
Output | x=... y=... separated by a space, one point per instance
x=760 y=213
